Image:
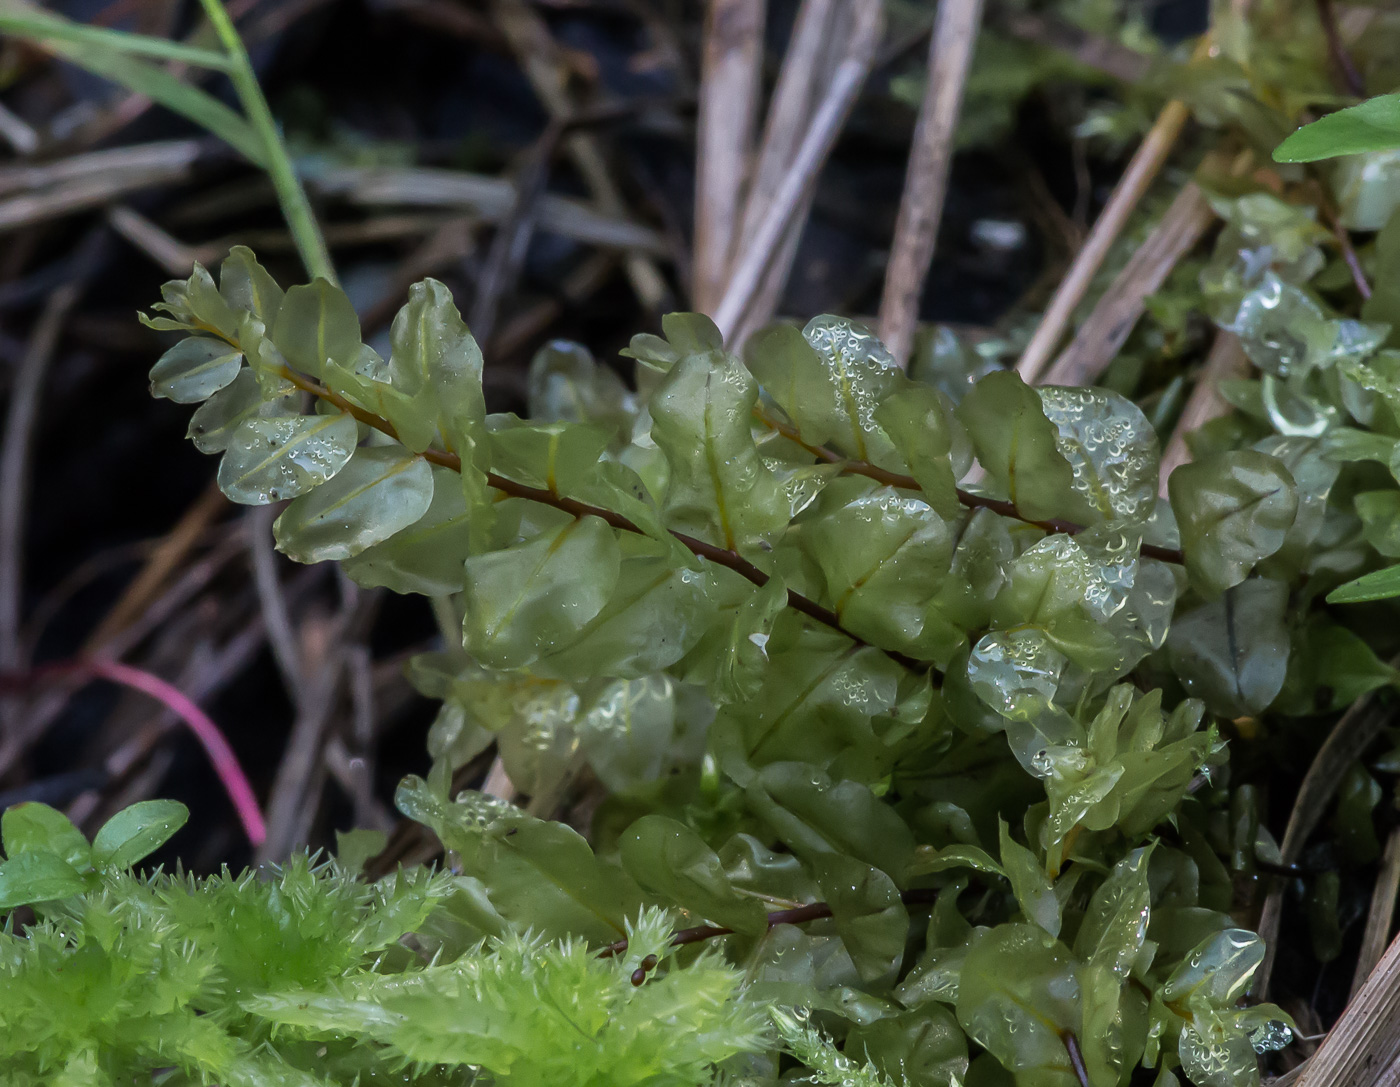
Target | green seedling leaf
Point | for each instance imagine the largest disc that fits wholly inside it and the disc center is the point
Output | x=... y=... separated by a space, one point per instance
x=426 y=557
x=38 y=828
x=1374 y=125
x=136 y=832
x=1377 y=585
x=26 y=878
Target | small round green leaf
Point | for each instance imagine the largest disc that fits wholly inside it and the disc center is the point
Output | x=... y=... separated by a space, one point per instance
x=136 y=832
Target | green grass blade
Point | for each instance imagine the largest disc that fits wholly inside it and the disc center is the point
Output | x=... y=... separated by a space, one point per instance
x=1377 y=585
x=174 y=94
x=42 y=26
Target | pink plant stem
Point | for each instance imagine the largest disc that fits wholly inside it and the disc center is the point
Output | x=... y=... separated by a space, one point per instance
x=225 y=763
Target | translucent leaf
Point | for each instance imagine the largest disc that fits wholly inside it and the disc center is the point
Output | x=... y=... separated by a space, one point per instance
x=557 y=457
x=194 y=369
x=1218 y=970
x=1034 y=892
x=1286 y=334
x=316 y=322
x=1018 y=998
x=926 y=434
x=37 y=877
x=816 y=816
x=1114 y=928
x=1016 y=673
x=671 y=860
x=381 y=491
x=1374 y=125
x=135 y=832
x=869 y=915
x=653 y=617
x=527 y=600
x=919 y=1049
x=829 y=379
x=733 y=656
x=437 y=362
x=1233 y=652
x=566 y=384
x=271 y=459
x=37 y=828
x=1380 y=517
x=214 y=422
x=818 y=695
x=539 y=874
x=426 y=557
x=1111 y=449
x=884 y=556
x=720 y=489
x=1233 y=509
x=630 y=732
x=1020 y=448
x=246 y=285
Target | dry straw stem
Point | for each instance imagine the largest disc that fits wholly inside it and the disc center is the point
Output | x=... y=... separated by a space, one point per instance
x=758 y=253
x=1102 y=334
x=1381 y=914
x=489 y=198
x=820 y=39
x=1362 y=1048
x=926 y=182
x=731 y=74
x=50 y=192
x=1225 y=362
x=1349 y=738
x=545 y=66
x=1146 y=163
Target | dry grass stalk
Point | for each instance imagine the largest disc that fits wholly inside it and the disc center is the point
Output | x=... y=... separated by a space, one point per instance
x=757 y=254
x=1363 y=1047
x=731 y=76
x=1146 y=163
x=926 y=182
x=1101 y=335
x=1225 y=362
x=489 y=198
x=1381 y=914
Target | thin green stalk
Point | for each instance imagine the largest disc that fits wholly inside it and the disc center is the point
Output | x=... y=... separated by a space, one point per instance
x=296 y=209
